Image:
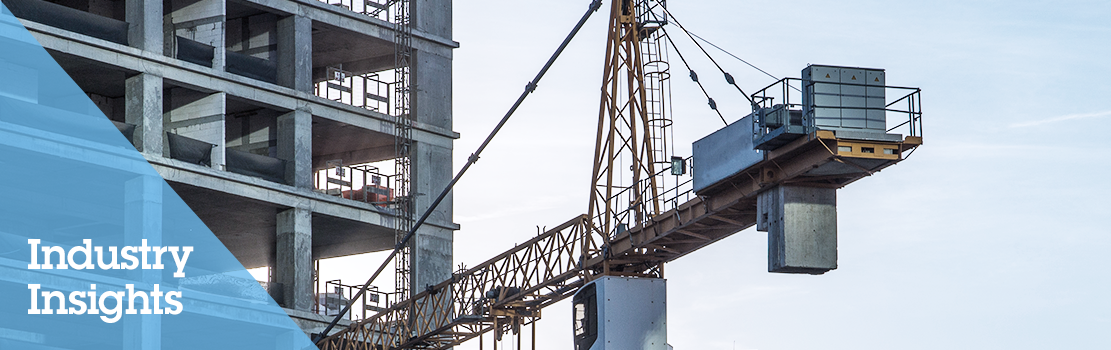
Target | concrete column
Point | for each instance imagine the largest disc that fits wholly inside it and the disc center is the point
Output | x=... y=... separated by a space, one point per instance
x=429 y=174
x=431 y=101
x=431 y=257
x=143 y=108
x=295 y=147
x=295 y=53
x=293 y=258
x=203 y=21
x=802 y=228
x=143 y=220
x=199 y=116
x=145 y=19
x=432 y=246
x=433 y=16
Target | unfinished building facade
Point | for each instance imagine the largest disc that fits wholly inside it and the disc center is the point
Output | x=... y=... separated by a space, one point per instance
x=276 y=120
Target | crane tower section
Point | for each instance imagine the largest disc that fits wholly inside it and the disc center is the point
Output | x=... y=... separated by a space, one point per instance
x=632 y=127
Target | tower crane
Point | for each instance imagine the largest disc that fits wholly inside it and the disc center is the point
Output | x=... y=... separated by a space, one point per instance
x=757 y=171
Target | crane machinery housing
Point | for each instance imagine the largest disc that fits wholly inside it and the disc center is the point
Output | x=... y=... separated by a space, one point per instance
x=777 y=168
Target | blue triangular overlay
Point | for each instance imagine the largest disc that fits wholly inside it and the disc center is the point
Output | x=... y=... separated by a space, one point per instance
x=67 y=175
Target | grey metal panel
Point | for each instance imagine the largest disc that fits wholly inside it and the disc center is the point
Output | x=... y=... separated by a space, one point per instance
x=827 y=88
x=823 y=123
x=823 y=100
x=849 y=77
x=827 y=117
x=823 y=74
x=853 y=101
x=877 y=120
x=861 y=97
x=876 y=77
x=852 y=90
x=875 y=91
x=854 y=123
x=827 y=113
x=632 y=313
x=852 y=113
x=876 y=102
x=876 y=124
x=876 y=114
x=724 y=153
x=852 y=76
x=775 y=117
x=852 y=118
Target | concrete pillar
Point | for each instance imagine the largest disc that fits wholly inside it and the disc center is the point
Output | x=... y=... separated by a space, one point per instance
x=430 y=173
x=431 y=257
x=431 y=101
x=143 y=108
x=295 y=53
x=203 y=21
x=295 y=147
x=143 y=220
x=199 y=116
x=802 y=228
x=432 y=246
x=145 y=19
x=433 y=17
x=293 y=258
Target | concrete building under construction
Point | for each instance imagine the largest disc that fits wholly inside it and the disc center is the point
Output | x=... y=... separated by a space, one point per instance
x=297 y=130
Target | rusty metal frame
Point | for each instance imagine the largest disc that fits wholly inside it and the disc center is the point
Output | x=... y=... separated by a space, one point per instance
x=624 y=132
x=505 y=292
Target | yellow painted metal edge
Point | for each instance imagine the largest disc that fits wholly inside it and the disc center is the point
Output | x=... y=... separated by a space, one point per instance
x=871 y=150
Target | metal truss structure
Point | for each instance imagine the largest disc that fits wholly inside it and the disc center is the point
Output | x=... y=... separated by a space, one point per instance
x=625 y=134
x=403 y=142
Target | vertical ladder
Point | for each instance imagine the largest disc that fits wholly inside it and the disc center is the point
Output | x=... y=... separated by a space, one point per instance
x=657 y=98
x=403 y=142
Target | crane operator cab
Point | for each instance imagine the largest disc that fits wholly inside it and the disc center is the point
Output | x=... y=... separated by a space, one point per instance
x=621 y=313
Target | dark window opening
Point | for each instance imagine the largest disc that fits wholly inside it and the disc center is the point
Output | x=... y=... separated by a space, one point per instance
x=586 y=317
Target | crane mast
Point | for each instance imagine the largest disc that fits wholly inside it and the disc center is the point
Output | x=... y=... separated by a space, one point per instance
x=624 y=190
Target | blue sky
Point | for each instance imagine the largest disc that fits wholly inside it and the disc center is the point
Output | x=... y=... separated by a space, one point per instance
x=992 y=236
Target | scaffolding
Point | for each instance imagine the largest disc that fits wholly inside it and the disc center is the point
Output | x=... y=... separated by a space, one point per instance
x=403 y=142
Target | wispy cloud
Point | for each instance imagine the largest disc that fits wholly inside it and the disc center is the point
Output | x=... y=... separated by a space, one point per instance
x=1061 y=119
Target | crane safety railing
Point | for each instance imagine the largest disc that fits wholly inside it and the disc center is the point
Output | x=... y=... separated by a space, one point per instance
x=906 y=110
x=670 y=198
